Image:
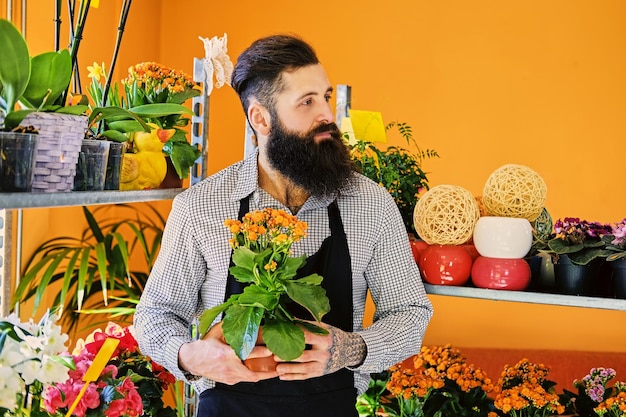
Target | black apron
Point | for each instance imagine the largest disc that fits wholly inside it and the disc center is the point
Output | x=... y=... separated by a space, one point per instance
x=332 y=395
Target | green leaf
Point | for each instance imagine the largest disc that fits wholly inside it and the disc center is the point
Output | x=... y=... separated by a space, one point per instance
x=290 y=267
x=313 y=279
x=51 y=73
x=311 y=297
x=241 y=328
x=14 y=65
x=241 y=274
x=244 y=258
x=208 y=316
x=284 y=338
x=76 y=110
x=560 y=246
x=256 y=296
x=183 y=155
x=160 y=110
x=114 y=135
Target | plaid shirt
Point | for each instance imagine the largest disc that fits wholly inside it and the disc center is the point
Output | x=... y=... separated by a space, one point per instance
x=190 y=272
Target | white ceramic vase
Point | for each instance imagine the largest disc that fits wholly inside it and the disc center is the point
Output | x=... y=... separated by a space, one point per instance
x=503 y=237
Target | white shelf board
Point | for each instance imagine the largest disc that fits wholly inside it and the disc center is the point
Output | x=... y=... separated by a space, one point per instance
x=527 y=297
x=83 y=198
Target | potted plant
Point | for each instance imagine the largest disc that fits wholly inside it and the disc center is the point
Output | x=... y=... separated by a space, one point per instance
x=581 y=241
x=577 y=250
x=39 y=85
x=397 y=169
x=152 y=99
x=261 y=254
x=436 y=382
x=94 y=271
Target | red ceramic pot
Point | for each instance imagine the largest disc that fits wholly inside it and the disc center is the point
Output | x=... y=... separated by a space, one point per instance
x=418 y=247
x=446 y=265
x=501 y=273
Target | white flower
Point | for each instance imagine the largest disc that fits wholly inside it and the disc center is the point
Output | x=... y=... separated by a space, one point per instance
x=10 y=385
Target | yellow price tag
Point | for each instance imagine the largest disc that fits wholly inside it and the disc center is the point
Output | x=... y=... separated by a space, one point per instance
x=94 y=371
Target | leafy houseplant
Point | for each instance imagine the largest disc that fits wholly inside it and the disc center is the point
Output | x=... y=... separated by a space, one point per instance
x=153 y=95
x=261 y=253
x=95 y=269
x=580 y=240
x=616 y=241
x=397 y=169
x=37 y=83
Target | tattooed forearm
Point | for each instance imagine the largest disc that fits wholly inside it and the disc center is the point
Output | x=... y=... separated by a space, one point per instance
x=347 y=349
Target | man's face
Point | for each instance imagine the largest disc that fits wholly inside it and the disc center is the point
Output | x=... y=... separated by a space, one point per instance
x=320 y=166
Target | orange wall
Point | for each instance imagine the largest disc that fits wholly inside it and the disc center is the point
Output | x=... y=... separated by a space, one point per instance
x=485 y=83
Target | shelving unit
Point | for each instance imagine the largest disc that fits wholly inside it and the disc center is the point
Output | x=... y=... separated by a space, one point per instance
x=82 y=198
x=528 y=297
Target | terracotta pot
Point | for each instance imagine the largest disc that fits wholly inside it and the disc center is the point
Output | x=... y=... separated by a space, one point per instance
x=263 y=364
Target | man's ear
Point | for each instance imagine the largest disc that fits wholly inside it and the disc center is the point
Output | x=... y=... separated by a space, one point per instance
x=259 y=118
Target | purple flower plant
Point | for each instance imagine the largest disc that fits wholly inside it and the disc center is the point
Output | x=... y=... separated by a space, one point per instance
x=595 y=383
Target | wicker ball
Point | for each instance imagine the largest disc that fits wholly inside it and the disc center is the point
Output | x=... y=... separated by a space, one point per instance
x=515 y=191
x=446 y=215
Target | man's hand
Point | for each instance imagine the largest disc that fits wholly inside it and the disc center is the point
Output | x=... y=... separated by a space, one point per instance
x=212 y=358
x=329 y=353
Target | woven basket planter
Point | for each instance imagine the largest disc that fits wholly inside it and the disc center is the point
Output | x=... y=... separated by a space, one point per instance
x=60 y=140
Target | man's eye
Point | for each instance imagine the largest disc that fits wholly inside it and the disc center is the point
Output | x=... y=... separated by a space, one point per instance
x=307 y=102
x=328 y=98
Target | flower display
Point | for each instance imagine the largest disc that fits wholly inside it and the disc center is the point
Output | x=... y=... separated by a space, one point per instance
x=262 y=251
x=594 y=397
x=131 y=384
x=32 y=356
x=580 y=240
x=440 y=383
x=616 y=241
x=525 y=391
x=152 y=98
x=615 y=405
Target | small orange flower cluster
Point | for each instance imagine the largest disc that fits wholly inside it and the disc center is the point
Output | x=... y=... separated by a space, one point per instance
x=614 y=406
x=521 y=387
x=432 y=367
x=266 y=228
x=156 y=77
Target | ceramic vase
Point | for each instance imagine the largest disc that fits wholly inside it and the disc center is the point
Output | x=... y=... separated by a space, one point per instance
x=446 y=265
x=503 y=237
x=501 y=273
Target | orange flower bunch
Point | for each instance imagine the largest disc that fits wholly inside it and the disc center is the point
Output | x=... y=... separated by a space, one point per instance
x=152 y=76
x=433 y=367
x=267 y=228
x=614 y=406
x=524 y=390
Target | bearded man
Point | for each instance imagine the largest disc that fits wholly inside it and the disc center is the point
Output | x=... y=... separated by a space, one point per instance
x=356 y=241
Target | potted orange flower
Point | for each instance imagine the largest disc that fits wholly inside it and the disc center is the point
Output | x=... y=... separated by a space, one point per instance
x=262 y=252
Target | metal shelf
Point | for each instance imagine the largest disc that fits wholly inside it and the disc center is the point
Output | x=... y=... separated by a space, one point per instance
x=527 y=297
x=83 y=198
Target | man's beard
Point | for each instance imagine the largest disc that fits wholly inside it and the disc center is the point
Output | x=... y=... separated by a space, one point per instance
x=321 y=167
